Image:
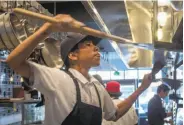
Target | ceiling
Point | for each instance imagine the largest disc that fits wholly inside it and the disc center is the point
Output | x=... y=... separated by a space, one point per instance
x=132 y=20
x=77 y=10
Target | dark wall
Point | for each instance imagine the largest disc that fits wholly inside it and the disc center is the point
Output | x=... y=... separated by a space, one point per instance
x=74 y=8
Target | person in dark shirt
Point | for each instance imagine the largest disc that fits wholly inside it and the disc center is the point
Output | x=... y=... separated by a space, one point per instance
x=156 y=112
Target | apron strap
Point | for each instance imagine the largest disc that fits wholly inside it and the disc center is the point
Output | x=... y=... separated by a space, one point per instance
x=99 y=99
x=76 y=84
x=78 y=89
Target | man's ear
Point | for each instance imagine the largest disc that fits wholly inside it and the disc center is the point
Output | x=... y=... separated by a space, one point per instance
x=73 y=56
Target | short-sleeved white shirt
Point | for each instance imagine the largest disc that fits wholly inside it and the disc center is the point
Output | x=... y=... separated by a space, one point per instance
x=60 y=93
x=130 y=118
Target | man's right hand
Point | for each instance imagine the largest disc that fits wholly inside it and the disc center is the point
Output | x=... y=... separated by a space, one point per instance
x=146 y=82
x=65 y=24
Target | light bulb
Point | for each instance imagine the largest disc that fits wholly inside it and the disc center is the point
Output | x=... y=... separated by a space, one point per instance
x=162 y=18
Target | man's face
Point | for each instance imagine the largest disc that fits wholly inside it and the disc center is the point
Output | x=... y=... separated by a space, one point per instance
x=88 y=54
x=164 y=94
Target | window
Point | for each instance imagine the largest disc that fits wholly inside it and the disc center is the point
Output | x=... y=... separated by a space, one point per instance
x=179 y=74
x=131 y=74
x=92 y=72
x=158 y=75
x=126 y=90
x=146 y=96
x=142 y=73
x=108 y=75
x=104 y=74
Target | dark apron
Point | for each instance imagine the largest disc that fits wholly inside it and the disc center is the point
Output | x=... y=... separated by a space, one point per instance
x=82 y=113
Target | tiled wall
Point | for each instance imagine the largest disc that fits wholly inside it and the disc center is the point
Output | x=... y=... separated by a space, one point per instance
x=8 y=80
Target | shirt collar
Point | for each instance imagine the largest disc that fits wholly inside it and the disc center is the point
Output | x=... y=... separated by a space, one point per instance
x=80 y=77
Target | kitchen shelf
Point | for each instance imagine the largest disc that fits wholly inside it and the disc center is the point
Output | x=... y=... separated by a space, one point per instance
x=10 y=102
x=35 y=123
x=18 y=100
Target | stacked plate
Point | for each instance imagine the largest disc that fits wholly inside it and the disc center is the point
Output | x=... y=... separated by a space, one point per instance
x=12 y=31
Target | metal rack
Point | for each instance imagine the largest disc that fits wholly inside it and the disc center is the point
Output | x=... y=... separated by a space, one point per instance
x=15 y=109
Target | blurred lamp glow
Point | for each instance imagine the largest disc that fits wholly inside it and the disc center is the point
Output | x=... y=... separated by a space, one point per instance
x=11 y=79
x=159 y=34
x=162 y=18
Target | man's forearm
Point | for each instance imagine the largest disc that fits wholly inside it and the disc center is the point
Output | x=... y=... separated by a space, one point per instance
x=126 y=104
x=23 y=50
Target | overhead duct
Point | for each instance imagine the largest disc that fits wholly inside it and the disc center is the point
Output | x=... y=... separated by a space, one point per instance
x=140 y=20
x=111 y=16
x=102 y=12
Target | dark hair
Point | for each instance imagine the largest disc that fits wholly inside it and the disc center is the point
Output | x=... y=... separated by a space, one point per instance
x=67 y=63
x=163 y=87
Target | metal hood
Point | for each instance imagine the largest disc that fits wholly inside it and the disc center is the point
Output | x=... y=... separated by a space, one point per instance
x=140 y=20
x=137 y=21
x=119 y=18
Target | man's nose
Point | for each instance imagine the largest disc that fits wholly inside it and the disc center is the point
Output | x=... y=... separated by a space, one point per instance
x=96 y=48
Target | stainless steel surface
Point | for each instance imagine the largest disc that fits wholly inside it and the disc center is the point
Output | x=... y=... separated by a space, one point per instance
x=120 y=25
x=18 y=28
x=2 y=45
x=30 y=28
x=51 y=53
x=140 y=21
x=115 y=17
x=177 y=5
x=89 y=31
x=102 y=12
x=134 y=20
x=5 y=38
x=9 y=30
x=12 y=31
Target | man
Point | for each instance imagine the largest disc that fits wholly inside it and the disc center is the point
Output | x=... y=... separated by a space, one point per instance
x=72 y=97
x=99 y=78
x=130 y=118
x=156 y=111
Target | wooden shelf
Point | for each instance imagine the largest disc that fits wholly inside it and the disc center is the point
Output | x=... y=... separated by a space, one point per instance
x=18 y=100
x=35 y=123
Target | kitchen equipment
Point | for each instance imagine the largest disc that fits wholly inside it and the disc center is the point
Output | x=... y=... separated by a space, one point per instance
x=12 y=30
x=51 y=53
x=93 y=32
x=3 y=33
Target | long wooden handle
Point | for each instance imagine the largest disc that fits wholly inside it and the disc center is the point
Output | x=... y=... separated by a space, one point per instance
x=83 y=30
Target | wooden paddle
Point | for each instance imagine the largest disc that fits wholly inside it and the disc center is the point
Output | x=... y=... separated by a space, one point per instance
x=83 y=30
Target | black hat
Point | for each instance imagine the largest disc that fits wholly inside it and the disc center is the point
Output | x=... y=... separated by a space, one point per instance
x=73 y=39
